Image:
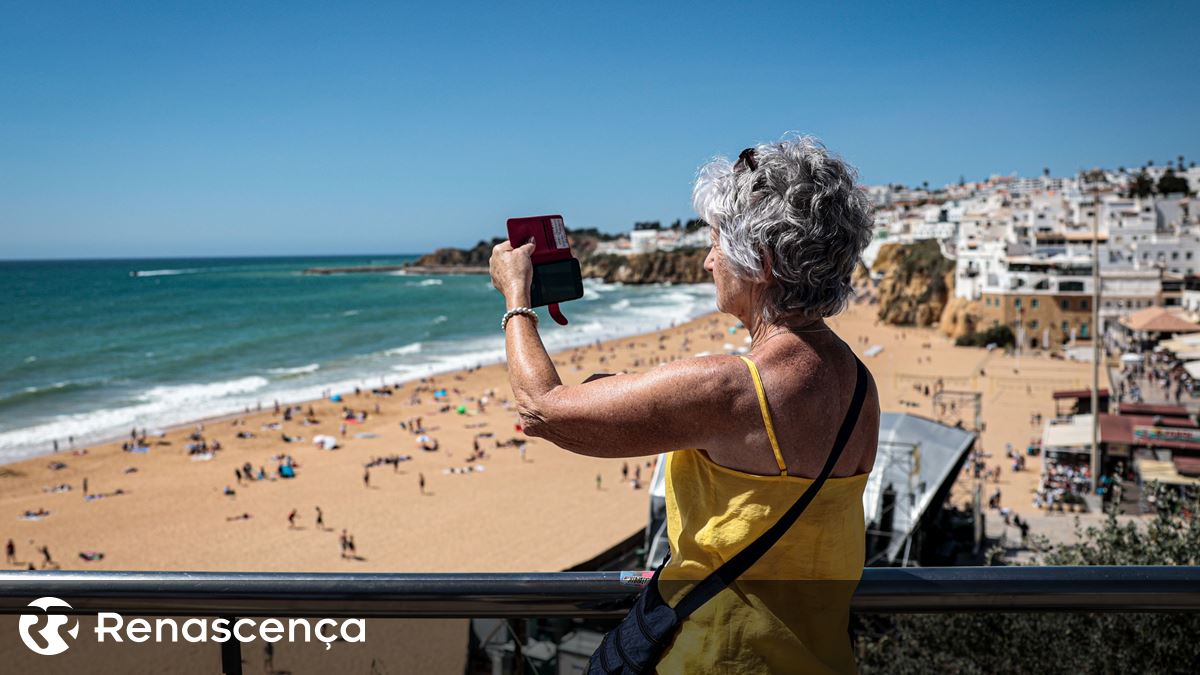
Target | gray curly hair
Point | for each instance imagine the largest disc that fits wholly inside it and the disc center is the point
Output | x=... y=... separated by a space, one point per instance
x=793 y=205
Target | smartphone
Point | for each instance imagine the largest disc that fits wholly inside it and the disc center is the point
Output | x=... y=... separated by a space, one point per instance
x=556 y=274
x=557 y=281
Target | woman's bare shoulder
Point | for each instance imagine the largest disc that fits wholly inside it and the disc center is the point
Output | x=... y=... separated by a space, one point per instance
x=720 y=376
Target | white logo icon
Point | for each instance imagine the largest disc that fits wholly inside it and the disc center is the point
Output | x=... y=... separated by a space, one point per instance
x=50 y=634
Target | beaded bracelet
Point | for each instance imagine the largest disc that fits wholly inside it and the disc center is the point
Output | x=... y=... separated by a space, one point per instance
x=518 y=310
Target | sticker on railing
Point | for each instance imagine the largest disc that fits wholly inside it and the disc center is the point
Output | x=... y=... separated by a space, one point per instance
x=636 y=578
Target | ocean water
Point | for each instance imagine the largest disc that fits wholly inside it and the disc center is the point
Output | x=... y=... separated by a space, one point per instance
x=91 y=351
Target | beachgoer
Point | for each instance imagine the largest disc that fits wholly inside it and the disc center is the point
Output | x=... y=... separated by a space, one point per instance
x=597 y=481
x=367 y=478
x=292 y=519
x=624 y=471
x=85 y=486
x=320 y=519
x=10 y=552
x=46 y=559
x=343 y=540
x=788 y=225
x=421 y=482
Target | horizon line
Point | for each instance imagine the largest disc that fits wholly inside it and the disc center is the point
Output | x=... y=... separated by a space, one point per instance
x=210 y=257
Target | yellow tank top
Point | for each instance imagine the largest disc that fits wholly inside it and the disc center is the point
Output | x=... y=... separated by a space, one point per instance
x=789 y=612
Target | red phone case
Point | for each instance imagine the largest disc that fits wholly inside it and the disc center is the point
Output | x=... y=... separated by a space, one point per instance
x=549 y=237
x=549 y=245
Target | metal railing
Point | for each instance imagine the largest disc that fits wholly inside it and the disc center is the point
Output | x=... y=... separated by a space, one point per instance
x=579 y=594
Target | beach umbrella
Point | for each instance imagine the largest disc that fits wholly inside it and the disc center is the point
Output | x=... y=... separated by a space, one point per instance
x=336 y=398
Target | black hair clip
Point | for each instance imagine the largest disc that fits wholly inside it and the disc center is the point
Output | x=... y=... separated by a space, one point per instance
x=746 y=160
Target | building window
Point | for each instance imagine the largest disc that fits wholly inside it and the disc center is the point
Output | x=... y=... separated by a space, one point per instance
x=1174 y=255
x=1187 y=255
x=1083 y=304
x=1033 y=304
x=1017 y=303
x=1066 y=328
x=1033 y=324
x=1083 y=332
x=1065 y=304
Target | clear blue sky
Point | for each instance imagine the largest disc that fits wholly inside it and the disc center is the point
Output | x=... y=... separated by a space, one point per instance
x=212 y=128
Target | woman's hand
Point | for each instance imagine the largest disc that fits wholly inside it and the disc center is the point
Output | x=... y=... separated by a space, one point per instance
x=512 y=271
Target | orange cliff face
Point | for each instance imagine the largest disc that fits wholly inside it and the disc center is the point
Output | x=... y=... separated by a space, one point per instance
x=917 y=284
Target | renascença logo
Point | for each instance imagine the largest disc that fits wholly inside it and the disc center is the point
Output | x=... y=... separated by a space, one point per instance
x=50 y=634
x=111 y=625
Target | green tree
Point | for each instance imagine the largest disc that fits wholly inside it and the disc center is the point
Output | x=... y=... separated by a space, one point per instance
x=1171 y=184
x=1000 y=335
x=1141 y=186
x=998 y=642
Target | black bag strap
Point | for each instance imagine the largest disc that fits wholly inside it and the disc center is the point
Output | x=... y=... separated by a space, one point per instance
x=738 y=564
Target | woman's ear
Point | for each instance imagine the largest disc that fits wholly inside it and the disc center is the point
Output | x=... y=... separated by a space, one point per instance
x=768 y=269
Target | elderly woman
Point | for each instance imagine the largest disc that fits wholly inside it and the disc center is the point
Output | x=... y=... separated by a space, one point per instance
x=744 y=436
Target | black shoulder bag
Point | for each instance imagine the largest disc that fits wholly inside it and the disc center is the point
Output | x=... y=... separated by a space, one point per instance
x=635 y=645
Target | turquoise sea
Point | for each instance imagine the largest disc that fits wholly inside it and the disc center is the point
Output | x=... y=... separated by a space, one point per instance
x=93 y=348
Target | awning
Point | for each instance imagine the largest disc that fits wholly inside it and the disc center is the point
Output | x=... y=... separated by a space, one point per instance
x=1158 y=320
x=1193 y=369
x=1072 y=436
x=1181 y=344
x=1151 y=409
x=1078 y=393
x=1142 y=431
x=1163 y=472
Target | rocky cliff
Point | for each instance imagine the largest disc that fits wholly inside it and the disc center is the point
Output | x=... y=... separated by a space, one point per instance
x=679 y=267
x=961 y=317
x=917 y=283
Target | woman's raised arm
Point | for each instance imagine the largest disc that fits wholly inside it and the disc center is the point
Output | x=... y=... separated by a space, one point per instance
x=673 y=406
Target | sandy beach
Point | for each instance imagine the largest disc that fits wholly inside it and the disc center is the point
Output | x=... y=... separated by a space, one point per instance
x=540 y=512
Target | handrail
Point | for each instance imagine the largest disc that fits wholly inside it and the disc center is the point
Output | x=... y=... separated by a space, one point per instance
x=584 y=594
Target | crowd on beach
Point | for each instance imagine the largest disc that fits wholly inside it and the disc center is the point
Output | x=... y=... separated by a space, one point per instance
x=274 y=450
